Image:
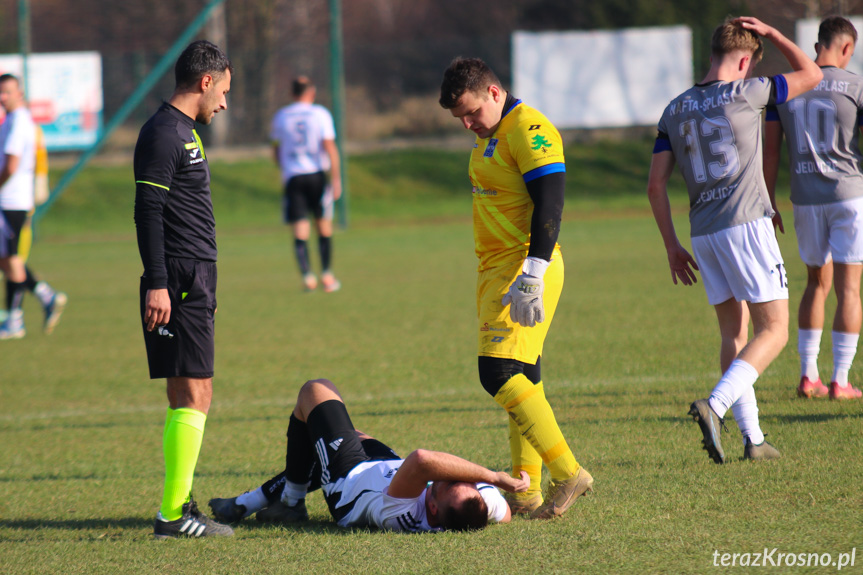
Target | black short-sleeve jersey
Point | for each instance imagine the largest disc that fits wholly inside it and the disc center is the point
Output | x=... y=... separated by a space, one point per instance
x=173 y=205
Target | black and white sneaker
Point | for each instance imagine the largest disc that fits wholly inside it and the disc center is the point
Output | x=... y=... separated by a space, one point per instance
x=193 y=523
x=228 y=510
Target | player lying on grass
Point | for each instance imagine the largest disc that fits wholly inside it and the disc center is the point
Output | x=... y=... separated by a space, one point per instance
x=365 y=483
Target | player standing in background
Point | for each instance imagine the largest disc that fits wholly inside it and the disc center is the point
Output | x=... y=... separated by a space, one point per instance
x=177 y=241
x=18 y=149
x=518 y=174
x=827 y=193
x=713 y=132
x=304 y=141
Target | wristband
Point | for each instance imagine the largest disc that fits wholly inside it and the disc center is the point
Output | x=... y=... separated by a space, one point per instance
x=535 y=267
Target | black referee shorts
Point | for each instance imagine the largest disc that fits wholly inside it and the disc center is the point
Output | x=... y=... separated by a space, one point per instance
x=338 y=448
x=191 y=350
x=304 y=194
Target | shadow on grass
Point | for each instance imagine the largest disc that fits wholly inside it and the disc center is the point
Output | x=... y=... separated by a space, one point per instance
x=254 y=474
x=314 y=526
x=776 y=418
x=77 y=524
x=809 y=417
x=425 y=411
x=54 y=425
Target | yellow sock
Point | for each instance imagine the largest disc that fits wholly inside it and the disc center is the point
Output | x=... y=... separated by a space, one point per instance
x=168 y=416
x=527 y=406
x=181 y=445
x=525 y=458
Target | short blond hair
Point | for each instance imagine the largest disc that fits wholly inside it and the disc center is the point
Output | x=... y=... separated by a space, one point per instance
x=731 y=36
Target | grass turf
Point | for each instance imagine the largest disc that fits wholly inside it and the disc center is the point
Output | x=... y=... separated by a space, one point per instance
x=80 y=471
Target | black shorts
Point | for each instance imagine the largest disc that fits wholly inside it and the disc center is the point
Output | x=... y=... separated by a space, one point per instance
x=338 y=448
x=191 y=350
x=303 y=194
x=15 y=222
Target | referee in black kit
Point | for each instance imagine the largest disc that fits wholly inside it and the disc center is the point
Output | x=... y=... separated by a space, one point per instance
x=177 y=241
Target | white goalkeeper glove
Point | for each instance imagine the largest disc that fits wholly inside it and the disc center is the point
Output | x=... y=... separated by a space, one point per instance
x=524 y=296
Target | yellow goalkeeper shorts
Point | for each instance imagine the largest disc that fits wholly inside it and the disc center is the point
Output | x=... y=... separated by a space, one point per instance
x=499 y=336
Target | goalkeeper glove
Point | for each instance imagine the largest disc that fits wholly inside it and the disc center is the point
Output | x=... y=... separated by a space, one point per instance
x=524 y=296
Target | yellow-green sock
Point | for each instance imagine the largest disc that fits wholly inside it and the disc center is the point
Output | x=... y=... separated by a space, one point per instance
x=527 y=406
x=181 y=445
x=168 y=416
x=525 y=458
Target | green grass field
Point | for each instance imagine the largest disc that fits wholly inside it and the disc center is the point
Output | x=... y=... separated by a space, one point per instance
x=81 y=424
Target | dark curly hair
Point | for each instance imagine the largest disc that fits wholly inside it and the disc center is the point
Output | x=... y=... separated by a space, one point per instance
x=465 y=75
x=199 y=59
x=471 y=515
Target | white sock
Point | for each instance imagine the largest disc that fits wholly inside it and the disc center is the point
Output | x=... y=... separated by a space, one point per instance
x=293 y=492
x=808 y=346
x=44 y=292
x=253 y=501
x=15 y=319
x=844 y=350
x=732 y=386
x=745 y=411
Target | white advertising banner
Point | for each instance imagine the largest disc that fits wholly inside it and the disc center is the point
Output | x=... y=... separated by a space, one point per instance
x=64 y=93
x=602 y=78
x=807 y=35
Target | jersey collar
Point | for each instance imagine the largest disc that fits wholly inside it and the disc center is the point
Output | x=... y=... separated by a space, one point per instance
x=176 y=112
x=508 y=104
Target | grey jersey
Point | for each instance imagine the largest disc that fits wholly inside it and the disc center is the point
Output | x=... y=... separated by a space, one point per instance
x=821 y=130
x=714 y=132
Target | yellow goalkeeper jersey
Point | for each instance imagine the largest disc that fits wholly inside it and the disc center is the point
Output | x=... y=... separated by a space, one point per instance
x=525 y=146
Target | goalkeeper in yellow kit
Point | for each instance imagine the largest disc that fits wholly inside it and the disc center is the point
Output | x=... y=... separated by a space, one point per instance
x=517 y=171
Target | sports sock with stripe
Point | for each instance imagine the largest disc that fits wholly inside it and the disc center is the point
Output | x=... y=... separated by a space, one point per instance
x=527 y=406
x=524 y=458
x=808 y=346
x=301 y=250
x=844 y=350
x=325 y=245
x=272 y=488
x=734 y=383
x=182 y=443
x=299 y=460
x=31 y=282
x=15 y=294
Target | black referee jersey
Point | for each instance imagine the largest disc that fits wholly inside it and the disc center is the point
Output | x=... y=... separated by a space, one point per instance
x=173 y=206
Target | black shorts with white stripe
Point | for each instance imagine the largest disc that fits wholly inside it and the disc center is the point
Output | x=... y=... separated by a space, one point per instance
x=338 y=447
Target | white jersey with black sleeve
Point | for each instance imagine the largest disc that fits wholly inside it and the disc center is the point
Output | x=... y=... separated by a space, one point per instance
x=714 y=132
x=364 y=491
x=821 y=128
